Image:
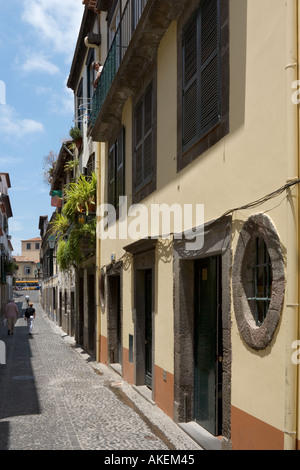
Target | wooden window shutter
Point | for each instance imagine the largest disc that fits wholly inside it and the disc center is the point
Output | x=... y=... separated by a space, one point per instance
x=120 y=166
x=190 y=83
x=201 y=72
x=144 y=140
x=210 y=65
x=139 y=145
x=148 y=135
x=111 y=175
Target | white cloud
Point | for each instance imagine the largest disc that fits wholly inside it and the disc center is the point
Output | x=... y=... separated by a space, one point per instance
x=56 y=22
x=37 y=62
x=9 y=161
x=60 y=101
x=12 y=125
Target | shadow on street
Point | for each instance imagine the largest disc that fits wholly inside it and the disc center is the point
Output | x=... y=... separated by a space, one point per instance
x=18 y=395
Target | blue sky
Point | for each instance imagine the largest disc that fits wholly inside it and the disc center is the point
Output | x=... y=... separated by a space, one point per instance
x=37 y=43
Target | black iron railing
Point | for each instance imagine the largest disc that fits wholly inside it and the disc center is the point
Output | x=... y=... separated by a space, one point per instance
x=128 y=23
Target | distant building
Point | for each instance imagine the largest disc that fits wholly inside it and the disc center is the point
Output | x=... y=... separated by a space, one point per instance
x=6 y=248
x=29 y=261
x=27 y=268
x=31 y=248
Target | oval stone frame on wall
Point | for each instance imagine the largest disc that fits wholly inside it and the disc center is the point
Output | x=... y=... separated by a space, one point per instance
x=257 y=226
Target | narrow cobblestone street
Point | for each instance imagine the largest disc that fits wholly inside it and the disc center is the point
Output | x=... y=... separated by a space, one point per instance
x=55 y=397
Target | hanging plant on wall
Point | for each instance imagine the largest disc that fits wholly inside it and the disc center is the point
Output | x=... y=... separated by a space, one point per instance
x=80 y=196
x=75 y=227
x=76 y=136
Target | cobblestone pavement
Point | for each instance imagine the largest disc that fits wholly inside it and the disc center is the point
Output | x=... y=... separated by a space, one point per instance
x=53 y=396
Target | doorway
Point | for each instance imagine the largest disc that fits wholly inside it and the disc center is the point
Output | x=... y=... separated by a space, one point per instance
x=148 y=328
x=114 y=321
x=208 y=345
x=144 y=326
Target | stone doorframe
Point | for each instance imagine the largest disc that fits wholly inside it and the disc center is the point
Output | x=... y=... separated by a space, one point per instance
x=143 y=252
x=217 y=241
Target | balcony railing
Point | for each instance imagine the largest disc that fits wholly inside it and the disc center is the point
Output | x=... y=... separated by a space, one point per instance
x=128 y=23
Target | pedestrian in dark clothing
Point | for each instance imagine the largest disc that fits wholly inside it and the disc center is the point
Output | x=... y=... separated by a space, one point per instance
x=30 y=316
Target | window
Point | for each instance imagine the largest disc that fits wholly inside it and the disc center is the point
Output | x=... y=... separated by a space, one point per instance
x=37 y=246
x=90 y=75
x=203 y=85
x=27 y=270
x=79 y=106
x=91 y=165
x=261 y=273
x=116 y=170
x=143 y=139
x=201 y=72
x=28 y=246
x=258 y=280
x=114 y=18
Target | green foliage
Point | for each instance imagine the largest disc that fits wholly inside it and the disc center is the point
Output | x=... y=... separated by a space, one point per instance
x=80 y=195
x=59 y=225
x=10 y=266
x=71 y=165
x=75 y=133
x=76 y=238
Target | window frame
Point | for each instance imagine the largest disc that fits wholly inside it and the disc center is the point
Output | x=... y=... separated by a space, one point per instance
x=258 y=337
x=219 y=128
x=148 y=183
x=90 y=76
x=257 y=298
x=27 y=270
x=116 y=170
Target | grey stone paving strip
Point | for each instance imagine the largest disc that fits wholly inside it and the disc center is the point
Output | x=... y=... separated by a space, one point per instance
x=55 y=397
x=70 y=431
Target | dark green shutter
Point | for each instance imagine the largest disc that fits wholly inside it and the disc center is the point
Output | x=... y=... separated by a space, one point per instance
x=201 y=72
x=144 y=140
x=210 y=65
x=148 y=136
x=139 y=145
x=120 y=168
x=111 y=175
x=190 y=83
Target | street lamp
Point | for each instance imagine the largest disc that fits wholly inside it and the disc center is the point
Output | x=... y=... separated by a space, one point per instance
x=51 y=242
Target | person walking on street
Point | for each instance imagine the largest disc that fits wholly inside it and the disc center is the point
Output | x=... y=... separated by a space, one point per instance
x=11 y=315
x=27 y=298
x=30 y=316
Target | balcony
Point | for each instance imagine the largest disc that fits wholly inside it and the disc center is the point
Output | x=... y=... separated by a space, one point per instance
x=132 y=52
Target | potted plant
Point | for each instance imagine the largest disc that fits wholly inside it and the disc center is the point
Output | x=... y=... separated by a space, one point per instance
x=80 y=196
x=76 y=136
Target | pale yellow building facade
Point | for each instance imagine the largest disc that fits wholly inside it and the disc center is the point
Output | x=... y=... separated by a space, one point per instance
x=31 y=248
x=202 y=115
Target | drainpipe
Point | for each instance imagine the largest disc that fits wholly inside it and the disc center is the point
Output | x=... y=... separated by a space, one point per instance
x=292 y=301
x=98 y=254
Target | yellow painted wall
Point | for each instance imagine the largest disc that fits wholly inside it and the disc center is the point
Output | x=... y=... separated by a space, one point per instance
x=244 y=166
